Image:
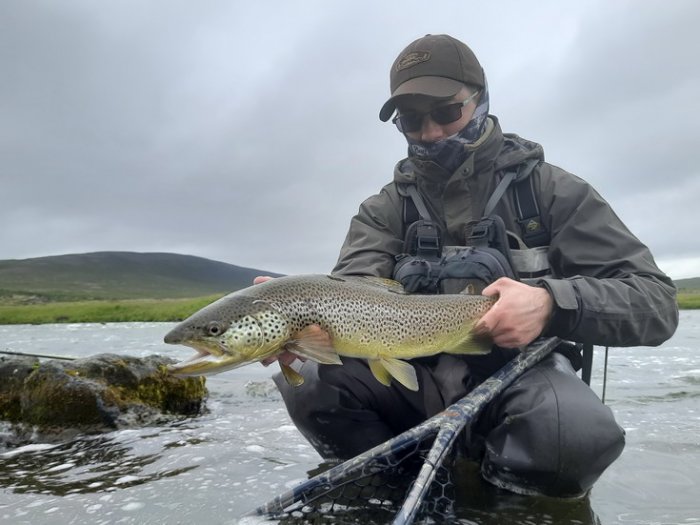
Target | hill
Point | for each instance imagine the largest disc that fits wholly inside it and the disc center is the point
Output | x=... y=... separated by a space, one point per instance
x=119 y=275
x=688 y=285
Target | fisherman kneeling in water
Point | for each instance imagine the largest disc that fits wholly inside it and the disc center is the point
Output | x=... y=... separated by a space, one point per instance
x=583 y=277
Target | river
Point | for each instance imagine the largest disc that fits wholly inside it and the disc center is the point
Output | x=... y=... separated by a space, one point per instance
x=244 y=450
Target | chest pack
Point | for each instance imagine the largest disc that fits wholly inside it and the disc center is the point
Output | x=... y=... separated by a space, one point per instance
x=427 y=266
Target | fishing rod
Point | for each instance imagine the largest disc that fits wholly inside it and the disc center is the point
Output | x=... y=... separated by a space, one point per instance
x=40 y=356
x=445 y=426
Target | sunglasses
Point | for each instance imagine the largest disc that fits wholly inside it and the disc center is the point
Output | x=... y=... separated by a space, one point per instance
x=442 y=115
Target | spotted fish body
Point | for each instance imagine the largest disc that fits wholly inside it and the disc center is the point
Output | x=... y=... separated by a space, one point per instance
x=321 y=317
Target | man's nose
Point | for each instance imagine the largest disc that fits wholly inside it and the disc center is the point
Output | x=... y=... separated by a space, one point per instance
x=431 y=131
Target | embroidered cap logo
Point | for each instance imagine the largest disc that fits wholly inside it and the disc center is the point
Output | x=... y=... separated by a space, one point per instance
x=411 y=59
x=532 y=225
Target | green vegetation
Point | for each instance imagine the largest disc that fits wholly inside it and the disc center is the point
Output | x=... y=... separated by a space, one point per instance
x=689 y=300
x=103 y=311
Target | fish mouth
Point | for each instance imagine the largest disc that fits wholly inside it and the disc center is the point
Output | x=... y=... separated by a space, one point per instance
x=210 y=358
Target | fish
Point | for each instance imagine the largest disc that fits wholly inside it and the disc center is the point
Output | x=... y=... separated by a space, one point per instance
x=323 y=317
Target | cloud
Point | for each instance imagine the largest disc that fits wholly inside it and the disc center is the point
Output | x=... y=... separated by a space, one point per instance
x=248 y=132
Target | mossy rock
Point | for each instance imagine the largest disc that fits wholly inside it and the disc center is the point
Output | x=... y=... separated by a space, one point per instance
x=102 y=392
x=13 y=372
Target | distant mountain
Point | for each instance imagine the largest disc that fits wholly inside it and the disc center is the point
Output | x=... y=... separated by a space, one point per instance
x=687 y=285
x=120 y=275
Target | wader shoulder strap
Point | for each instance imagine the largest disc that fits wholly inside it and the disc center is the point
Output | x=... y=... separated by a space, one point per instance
x=420 y=226
x=532 y=231
x=417 y=202
x=499 y=191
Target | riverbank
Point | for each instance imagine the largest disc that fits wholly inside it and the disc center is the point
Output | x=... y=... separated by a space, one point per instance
x=150 y=310
x=128 y=310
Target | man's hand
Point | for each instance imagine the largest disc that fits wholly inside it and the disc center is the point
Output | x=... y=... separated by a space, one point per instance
x=520 y=314
x=285 y=357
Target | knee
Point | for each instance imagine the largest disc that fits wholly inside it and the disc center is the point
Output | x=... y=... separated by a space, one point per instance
x=552 y=435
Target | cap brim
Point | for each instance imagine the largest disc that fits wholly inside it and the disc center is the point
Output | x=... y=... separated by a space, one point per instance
x=438 y=87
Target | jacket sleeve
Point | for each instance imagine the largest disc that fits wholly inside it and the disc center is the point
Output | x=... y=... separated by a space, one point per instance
x=374 y=238
x=606 y=286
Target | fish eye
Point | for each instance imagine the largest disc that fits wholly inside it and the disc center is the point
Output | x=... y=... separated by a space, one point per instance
x=214 y=328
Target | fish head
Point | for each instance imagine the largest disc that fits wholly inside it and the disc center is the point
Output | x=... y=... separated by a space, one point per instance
x=231 y=332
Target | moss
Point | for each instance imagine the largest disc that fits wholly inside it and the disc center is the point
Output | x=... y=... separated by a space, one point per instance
x=10 y=408
x=49 y=399
x=157 y=389
x=95 y=393
x=171 y=394
x=13 y=373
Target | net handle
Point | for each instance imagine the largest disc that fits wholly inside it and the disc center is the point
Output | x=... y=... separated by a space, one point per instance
x=463 y=412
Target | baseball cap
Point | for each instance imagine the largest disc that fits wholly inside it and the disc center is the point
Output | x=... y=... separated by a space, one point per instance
x=434 y=65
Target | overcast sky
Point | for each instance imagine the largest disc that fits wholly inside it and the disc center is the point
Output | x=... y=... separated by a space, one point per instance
x=248 y=132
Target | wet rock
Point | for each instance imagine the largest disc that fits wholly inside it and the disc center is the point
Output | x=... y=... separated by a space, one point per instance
x=99 y=393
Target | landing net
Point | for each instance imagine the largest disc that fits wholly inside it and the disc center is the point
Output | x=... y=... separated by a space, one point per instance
x=406 y=478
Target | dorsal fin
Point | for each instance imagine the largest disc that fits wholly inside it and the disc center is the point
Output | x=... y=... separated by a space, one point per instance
x=383 y=283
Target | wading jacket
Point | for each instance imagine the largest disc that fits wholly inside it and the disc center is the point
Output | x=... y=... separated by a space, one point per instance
x=606 y=287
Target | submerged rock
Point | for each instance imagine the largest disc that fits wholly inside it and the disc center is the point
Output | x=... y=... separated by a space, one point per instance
x=100 y=393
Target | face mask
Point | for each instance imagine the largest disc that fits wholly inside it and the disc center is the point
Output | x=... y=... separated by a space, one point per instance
x=450 y=152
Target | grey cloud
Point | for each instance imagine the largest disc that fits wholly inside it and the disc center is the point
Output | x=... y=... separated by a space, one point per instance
x=248 y=132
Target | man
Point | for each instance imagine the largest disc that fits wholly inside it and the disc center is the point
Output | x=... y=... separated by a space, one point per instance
x=548 y=433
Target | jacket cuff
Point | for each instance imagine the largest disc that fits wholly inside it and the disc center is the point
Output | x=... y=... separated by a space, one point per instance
x=567 y=306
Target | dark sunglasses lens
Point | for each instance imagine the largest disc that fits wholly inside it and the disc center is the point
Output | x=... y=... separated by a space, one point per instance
x=447 y=114
x=409 y=123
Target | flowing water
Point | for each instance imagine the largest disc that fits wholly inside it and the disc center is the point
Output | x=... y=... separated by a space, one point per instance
x=245 y=450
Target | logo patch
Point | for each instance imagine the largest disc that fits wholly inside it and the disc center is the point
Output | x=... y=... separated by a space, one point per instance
x=532 y=226
x=413 y=58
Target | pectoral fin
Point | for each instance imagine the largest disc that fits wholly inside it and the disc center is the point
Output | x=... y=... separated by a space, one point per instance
x=292 y=377
x=400 y=370
x=314 y=343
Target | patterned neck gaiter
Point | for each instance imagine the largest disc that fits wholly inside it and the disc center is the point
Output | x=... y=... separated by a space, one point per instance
x=450 y=152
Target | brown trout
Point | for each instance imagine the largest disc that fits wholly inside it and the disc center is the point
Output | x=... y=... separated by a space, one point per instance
x=322 y=317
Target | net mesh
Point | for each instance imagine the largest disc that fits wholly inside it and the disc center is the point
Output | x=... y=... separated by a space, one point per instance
x=375 y=492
